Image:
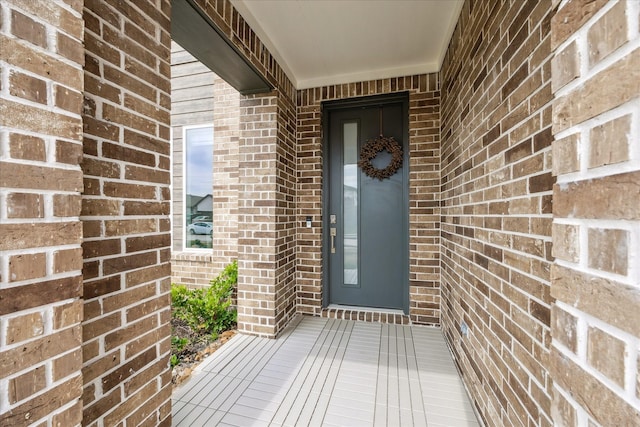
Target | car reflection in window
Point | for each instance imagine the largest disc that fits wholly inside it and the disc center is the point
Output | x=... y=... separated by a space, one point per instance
x=200 y=228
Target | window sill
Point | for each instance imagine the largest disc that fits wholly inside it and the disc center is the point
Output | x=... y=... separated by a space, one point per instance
x=203 y=255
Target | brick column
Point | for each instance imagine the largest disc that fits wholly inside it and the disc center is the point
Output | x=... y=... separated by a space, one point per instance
x=226 y=122
x=266 y=221
x=286 y=227
x=41 y=57
x=596 y=203
x=125 y=213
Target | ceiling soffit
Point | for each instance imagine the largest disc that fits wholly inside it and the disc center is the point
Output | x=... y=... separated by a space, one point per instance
x=326 y=42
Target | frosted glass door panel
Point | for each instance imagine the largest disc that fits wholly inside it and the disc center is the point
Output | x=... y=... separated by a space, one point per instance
x=350 y=203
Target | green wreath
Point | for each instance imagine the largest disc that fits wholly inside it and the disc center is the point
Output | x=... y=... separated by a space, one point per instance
x=372 y=148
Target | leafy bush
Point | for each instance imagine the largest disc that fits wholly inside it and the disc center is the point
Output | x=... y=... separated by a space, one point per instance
x=207 y=310
x=174 y=360
x=179 y=343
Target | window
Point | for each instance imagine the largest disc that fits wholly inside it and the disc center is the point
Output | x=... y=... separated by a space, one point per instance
x=198 y=187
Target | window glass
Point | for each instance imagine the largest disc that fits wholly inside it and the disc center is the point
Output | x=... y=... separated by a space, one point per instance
x=350 y=195
x=198 y=179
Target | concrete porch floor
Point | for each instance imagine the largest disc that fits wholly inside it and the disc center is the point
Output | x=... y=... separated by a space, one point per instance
x=328 y=372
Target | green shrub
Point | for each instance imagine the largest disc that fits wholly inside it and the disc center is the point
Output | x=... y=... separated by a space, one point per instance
x=207 y=309
x=179 y=343
x=174 y=360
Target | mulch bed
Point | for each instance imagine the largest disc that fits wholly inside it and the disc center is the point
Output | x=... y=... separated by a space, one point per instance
x=200 y=346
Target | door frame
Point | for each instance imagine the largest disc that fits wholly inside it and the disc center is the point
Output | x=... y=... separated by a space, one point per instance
x=327 y=108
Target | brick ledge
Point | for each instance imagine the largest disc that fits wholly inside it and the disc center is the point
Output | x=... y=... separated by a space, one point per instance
x=366 y=315
x=192 y=256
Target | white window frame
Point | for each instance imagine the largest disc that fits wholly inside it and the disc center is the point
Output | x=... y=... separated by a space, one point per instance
x=184 y=185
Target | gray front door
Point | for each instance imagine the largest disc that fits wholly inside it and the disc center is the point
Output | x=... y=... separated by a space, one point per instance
x=366 y=218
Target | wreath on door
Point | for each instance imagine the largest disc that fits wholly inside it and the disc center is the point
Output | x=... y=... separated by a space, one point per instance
x=372 y=148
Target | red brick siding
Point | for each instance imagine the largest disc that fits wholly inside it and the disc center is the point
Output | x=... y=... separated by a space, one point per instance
x=40 y=185
x=125 y=208
x=595 y=278
x=496 y=207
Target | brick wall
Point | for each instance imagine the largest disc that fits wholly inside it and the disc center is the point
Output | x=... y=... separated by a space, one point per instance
x=529 y=321
x=125 y=214
x=199 y=97
x=496 y=207
x=596 y=205
x=424 y=179
x=41 y=57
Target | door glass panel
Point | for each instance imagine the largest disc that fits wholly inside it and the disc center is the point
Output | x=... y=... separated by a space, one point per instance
x=350 y=203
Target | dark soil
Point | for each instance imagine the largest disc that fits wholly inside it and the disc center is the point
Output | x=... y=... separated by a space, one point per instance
x=199 y=347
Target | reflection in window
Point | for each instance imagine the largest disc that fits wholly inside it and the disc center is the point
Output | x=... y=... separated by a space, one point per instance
x=198 y=187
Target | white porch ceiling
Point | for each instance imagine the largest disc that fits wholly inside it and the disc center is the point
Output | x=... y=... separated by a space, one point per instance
x=326 y=42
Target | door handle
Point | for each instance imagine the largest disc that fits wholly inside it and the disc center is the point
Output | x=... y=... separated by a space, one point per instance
x=333 y=233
